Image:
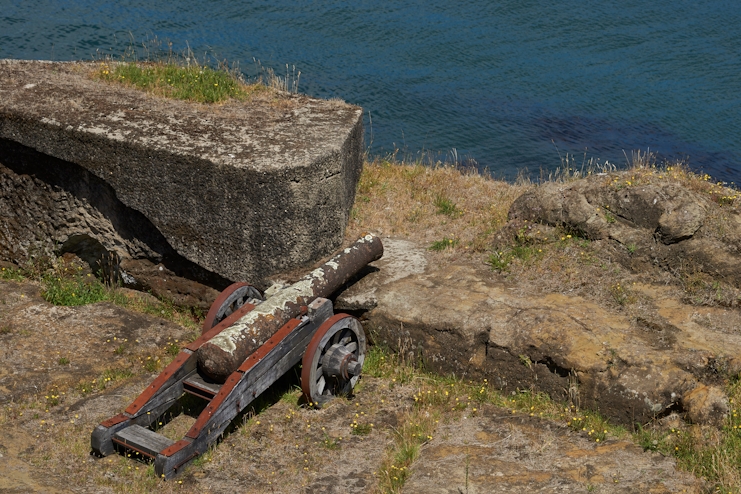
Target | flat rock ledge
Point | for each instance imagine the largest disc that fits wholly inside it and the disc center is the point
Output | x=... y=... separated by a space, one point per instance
x=496 y=452
x=238 y=190
x=459 y=319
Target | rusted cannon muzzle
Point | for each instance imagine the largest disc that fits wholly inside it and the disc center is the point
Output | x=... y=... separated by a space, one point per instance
x=225 y=352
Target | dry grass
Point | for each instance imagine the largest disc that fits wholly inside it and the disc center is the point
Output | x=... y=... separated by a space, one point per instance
x=708 y=452
x=439 y=400
x=431 y=204
x=458 y=212
x=443 y=207
x=55 y=431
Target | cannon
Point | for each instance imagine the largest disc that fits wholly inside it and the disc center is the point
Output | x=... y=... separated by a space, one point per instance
x=248 y=341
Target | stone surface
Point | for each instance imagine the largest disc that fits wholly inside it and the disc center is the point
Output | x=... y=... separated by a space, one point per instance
x=706 y=405
x=80 y=215
x=241 y=190
x=460 y=319
x=163 y=283
x=35 y=336
x=594 y=207
x=498 y=452
x=665 y=225
x=401 y=259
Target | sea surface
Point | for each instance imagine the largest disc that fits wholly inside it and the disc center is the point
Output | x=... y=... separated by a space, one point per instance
x=510 y=86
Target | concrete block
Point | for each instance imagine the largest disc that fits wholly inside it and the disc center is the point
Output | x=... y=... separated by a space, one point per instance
x=241 y=189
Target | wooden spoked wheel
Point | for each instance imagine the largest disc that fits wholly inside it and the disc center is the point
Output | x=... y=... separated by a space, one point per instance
x=228 y=301
x=333 y=360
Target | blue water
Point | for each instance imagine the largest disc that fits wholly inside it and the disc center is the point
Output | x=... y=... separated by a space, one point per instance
x=511 y=85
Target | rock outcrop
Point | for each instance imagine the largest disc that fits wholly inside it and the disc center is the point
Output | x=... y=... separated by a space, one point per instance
x=235 y=191
x=498 y=452
x=462 y=319
x=664 y=224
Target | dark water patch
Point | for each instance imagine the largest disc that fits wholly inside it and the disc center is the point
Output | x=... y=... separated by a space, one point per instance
x=590 y=137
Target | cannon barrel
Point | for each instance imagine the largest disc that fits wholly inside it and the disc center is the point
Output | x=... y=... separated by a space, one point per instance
x=225 y=352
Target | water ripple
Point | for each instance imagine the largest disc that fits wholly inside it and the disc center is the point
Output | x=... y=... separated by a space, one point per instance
x=501 y=82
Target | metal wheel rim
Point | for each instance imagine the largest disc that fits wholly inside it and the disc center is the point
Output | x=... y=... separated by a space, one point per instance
x=318 y=388
x=228 y=301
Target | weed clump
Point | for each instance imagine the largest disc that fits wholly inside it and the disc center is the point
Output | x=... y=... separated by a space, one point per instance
x=445 y=243
x=60 y=289
x=705 y=451
x=154 y=67
x=193 y=83
x=11 y=274
x=446 y=206
x=67 y=283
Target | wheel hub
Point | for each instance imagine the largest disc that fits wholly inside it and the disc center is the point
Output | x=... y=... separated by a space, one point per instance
x=339 y=362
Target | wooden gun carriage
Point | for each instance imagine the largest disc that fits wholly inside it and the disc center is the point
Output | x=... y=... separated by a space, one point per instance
x=249 y=342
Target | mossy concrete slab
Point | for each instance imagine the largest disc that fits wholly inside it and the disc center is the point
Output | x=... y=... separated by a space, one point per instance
x=243 y=189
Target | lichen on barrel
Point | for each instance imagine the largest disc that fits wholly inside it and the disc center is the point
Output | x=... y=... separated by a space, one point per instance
x=224 y=353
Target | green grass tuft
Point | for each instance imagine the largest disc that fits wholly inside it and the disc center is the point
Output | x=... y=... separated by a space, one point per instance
x=329 y=442
x=73 y=290
x=192 y=83
x=501 y=260
x=446 y=206
x=445 y=243
x=360 y=429
x=173 y=349
x=11 y=274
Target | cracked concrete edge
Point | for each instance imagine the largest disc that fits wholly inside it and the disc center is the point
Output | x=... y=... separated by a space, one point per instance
x=244 y=190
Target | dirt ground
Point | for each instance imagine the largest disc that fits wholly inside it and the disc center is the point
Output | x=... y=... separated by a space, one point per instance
x=65 y=369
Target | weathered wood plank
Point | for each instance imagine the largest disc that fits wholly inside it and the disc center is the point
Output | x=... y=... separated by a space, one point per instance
x=176 y=458
x=143 y=440
x=256 y=380
x=284 y=356
x=168 y=384
x=211 y=424
x=101 y=440
x=197 y=385
x=151 y=403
